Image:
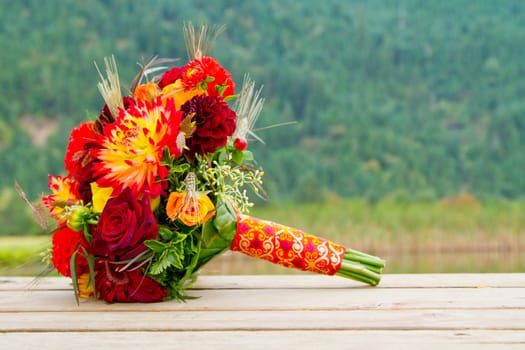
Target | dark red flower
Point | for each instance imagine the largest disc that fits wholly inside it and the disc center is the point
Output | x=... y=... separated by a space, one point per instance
x=208 y=71
x=65 y=242
x=170 y=76
x=123 y=226
x=113 y=285
x=214 y=122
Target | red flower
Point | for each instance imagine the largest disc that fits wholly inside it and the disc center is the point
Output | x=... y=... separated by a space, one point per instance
x=214 y=122
x=170 y=76
x=207 y=70
x=106 y=117
x=125 y=286
x=78 y=154
x=64 y=243
x=123 y=226
x=79 y=157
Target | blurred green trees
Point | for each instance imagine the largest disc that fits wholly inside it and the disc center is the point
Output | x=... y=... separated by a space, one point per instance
x=424 y=98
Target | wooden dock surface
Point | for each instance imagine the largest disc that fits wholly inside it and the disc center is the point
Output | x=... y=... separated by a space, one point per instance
x=437 y=311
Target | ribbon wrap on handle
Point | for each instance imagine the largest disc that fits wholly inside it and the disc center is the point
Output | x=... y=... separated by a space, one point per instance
x=286 y=246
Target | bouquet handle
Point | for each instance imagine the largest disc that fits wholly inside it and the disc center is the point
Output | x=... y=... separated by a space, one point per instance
x=293 y=248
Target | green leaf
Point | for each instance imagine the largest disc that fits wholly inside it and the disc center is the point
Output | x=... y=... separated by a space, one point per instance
x=74 y=276
x=179 y=237
x=193 y=262
x=237 y=157
x=220 y=89
x=225 y=221
x=222 y=156
x=156 y=246
x=208 y=79
x=91 y=264
x=165 y=233
x=176 y=259
x=232 y=97
x=180 y=168
x=159 y=266
x=209 y=234
x=248 y=155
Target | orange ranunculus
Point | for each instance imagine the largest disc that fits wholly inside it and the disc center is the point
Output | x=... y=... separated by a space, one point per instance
x=190 y=211
x=146 y=92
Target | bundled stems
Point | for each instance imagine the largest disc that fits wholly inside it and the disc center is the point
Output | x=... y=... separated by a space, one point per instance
x=361 y=267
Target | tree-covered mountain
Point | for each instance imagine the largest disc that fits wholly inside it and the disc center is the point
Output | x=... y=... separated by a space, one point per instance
x=421 y=98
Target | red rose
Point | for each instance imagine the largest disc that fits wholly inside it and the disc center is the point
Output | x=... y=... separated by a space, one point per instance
x=214 y=122
x=64 y=243
x=123 y=226
x=125 y=286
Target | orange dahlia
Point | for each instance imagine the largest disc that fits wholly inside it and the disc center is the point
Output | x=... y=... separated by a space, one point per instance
x=132 y=150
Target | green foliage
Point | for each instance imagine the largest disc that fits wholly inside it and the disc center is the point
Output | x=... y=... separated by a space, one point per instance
x=393 y=228
x=419 y=98
x=182 y=255
x=175 y=262
x=15 y=251
x=394 y=224
x=15 y=215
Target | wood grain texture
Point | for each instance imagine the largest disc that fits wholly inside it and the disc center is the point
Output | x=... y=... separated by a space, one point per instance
x=440 y=311
x=305 y=281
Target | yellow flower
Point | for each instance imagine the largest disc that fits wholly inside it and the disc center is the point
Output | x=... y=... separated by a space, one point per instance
x=85 y=288
x=64 y=193
x=100 y=196
x=131 y=154
x=188 y=209
x=177 y=92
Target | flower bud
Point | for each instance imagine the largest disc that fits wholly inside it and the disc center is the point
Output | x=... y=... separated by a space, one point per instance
x=240 y=144
x=78 y=217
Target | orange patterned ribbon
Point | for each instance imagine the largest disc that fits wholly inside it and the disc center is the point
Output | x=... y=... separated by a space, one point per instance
x=286 y=246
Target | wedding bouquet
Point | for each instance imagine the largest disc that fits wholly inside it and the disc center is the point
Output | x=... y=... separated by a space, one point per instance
x=156 y=186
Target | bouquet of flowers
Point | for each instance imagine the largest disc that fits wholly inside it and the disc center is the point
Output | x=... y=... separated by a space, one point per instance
x=156 y=187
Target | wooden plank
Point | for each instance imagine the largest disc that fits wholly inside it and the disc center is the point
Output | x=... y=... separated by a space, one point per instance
x=305 y=281
x=263 y=320
x=392 y=340
x=285 y=299
x=473 y=311
x=313 y=281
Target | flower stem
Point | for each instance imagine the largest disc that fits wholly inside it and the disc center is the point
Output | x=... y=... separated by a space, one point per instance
x=361 y=267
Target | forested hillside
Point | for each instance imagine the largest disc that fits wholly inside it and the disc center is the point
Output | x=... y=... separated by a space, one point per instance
x=423 y=99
